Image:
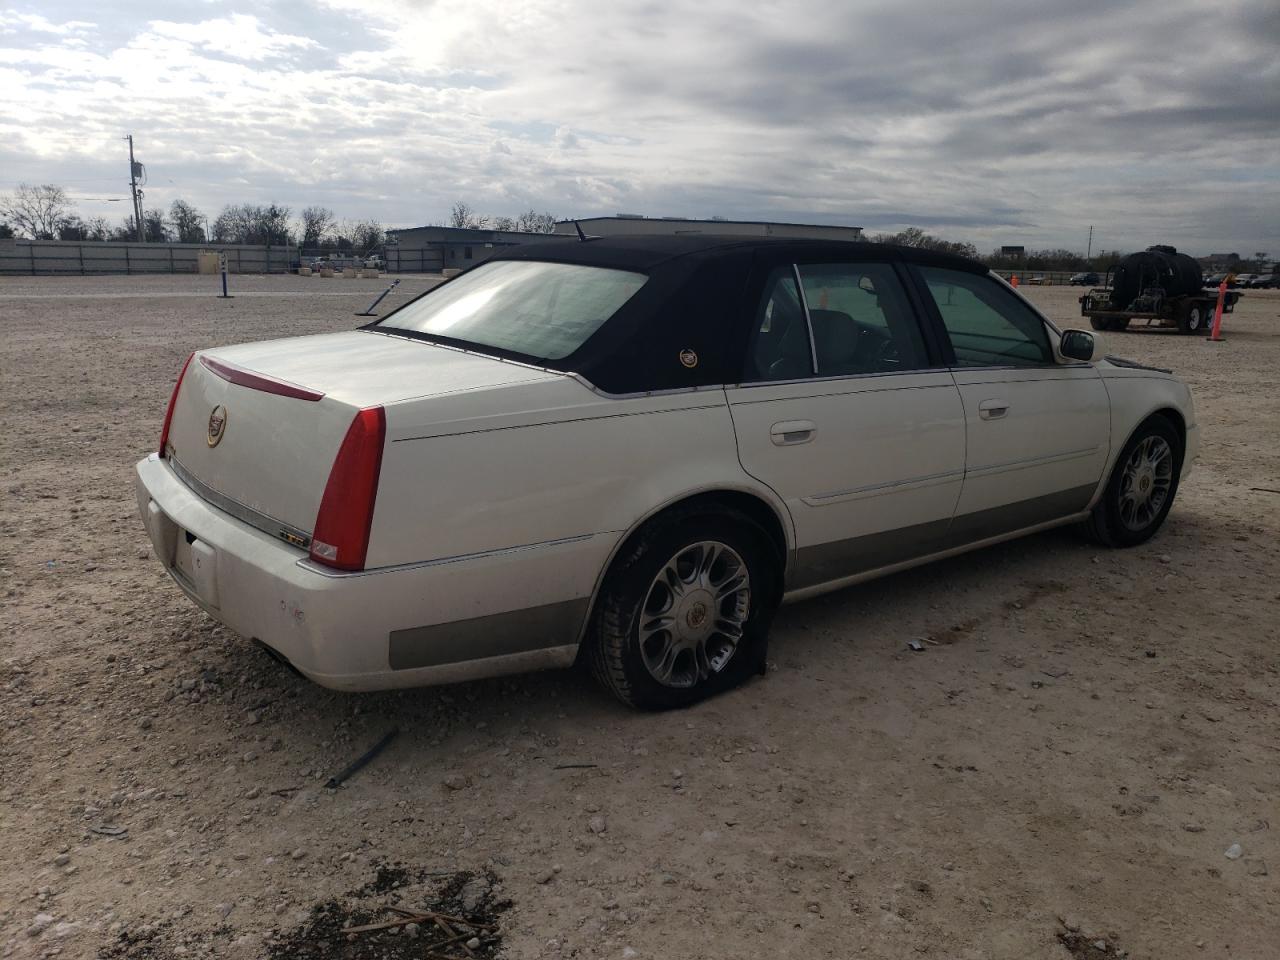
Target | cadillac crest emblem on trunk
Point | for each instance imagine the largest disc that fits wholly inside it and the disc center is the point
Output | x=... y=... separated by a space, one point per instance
x=217 y=425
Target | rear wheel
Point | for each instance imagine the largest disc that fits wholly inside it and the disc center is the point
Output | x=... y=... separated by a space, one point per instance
x=685 y=610
x=1193 y=319
x=1141 y=489
x=1100 y=323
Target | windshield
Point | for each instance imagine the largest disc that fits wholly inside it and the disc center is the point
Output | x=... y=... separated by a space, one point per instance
x=544 y=310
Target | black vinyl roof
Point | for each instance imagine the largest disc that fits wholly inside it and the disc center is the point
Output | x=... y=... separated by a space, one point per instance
x=644 y=252
x=697 y=300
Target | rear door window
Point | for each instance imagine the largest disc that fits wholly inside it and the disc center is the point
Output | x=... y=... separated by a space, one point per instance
x=862 y=322
x=852 y=319
x=780 y=337
x=988 y=325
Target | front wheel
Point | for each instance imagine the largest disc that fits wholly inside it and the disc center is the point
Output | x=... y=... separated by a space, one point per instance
x=1143 y=484
x=685 y=610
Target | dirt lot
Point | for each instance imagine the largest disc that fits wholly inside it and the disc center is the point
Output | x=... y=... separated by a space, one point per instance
x=1086 y=737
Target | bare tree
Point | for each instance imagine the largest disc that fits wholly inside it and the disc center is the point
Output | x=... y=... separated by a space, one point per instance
x=366 y=236
x=317 y=225
x=534 y=222
x=38 y=212
x=188 y=222
x=504 y=223
x=253 y=223
x=464 y=215
x=915 y=237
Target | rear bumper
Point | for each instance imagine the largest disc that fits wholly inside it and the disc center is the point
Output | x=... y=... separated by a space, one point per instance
x=437 y=622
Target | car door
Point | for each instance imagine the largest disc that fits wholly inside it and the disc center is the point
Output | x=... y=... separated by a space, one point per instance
x=1038 y=427
x=847 y=411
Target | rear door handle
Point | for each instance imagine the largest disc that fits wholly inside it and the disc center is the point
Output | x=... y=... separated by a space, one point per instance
x=790 y=432
x=993 y=409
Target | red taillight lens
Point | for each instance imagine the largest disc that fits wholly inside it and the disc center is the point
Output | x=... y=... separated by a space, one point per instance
x=173 y=399
x=341 y=536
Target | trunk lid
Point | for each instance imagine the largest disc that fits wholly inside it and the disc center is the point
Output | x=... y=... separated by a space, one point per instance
x=256 y=427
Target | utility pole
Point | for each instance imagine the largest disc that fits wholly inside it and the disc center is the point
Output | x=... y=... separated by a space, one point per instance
x=133 y=185
x=1089 y=254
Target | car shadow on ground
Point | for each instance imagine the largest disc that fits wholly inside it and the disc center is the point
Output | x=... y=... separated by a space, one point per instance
x=1013 y=573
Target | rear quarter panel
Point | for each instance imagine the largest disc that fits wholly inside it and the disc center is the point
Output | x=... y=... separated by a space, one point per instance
x=460 y=478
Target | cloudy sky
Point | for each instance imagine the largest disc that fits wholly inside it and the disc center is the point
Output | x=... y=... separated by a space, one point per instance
x=1023 y=122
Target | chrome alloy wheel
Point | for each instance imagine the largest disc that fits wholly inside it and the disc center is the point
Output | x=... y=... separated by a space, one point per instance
x=1145 y=483
x=694 y=614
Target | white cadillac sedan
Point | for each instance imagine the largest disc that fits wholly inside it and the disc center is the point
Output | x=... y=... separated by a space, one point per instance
x=631 y=451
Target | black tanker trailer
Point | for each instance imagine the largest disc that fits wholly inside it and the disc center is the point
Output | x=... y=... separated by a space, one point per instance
x=1158 y=285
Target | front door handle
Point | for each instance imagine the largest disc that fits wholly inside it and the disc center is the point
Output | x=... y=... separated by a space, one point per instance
x=993 y=409
x=790 y=432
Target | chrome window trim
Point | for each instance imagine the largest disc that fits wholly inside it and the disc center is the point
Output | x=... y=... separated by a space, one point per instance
x=282 y=531
x=839 y=377
x=808 y=320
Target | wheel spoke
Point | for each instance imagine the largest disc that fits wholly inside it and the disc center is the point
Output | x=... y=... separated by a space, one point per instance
x=656 y=625
x=674 y=582
x=661 y=666
x=710 y=551
x=731 y=586
x=730 y=630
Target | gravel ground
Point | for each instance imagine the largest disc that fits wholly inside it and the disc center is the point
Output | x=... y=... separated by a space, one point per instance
x=1083 y=763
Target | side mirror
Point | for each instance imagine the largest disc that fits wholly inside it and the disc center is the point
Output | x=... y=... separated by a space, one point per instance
x=1079 y=345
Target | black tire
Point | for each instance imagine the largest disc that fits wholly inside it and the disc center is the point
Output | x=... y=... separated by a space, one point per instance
x=1120 y=324
x=1106 y=524
x=613 y=642
x=1099 y=323
x=1194 y=319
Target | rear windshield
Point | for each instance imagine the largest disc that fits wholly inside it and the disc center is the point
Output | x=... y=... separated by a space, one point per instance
x=543 y=310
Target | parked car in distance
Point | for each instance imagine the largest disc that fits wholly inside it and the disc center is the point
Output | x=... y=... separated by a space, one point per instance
x=632 y=450
x=1084 y=280
x=1259 y=281
x=1036 y=281
x=1245 y=280
x=375 y=263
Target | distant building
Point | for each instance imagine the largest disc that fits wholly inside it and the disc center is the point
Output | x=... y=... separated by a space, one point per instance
x=1219 y=262
x=432 y=249
x=632 y=224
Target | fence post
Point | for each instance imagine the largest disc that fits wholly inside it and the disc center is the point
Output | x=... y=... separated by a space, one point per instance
x=171 y=258
x=80 y=250
x=127 y=269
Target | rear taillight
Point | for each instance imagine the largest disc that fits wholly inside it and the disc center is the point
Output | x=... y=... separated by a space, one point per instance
x=173 y=399
x=341 y=536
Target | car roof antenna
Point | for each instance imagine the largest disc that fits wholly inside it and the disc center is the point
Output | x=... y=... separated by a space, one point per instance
x=582 y=237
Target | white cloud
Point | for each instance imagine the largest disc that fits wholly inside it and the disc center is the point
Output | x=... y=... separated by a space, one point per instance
x=1021 y=127
x=239 y=35
x=12 y=22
